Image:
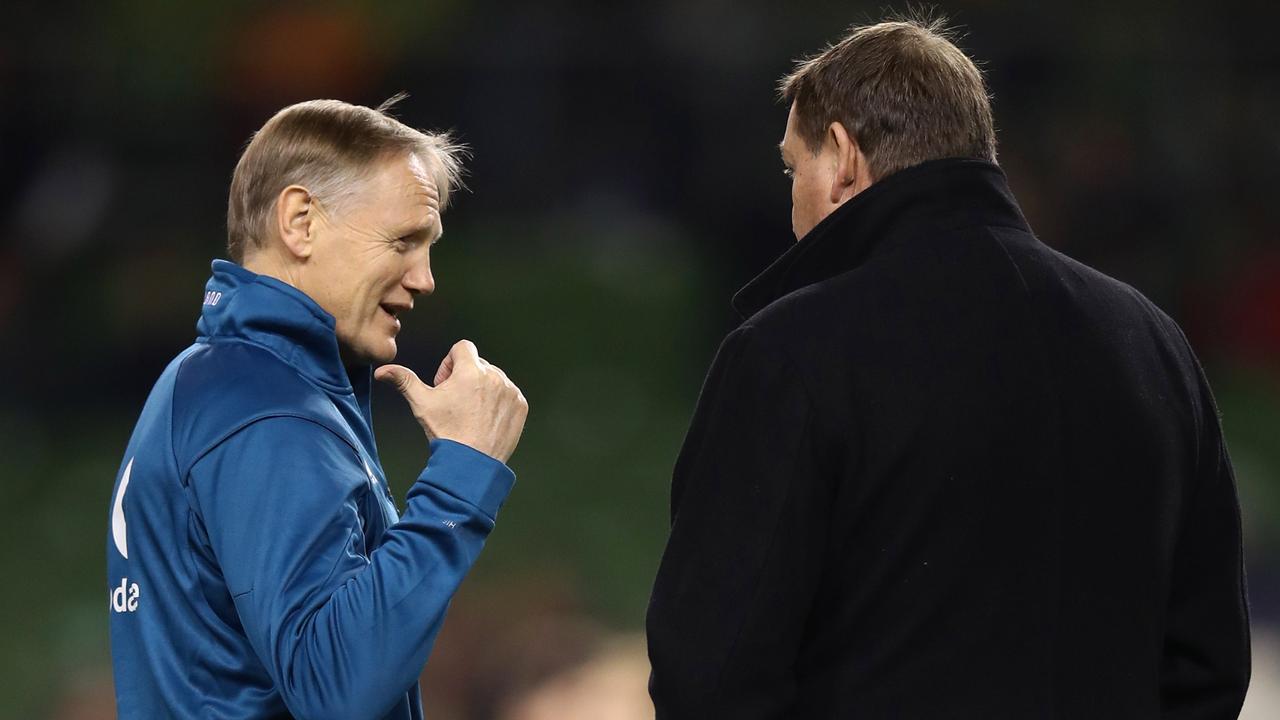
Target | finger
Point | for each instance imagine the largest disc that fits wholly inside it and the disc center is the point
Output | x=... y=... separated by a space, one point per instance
x=497 y=371
x=465 y=351
x=445 y=370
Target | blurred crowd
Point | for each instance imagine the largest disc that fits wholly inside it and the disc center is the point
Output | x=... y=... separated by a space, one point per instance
x=624 y=181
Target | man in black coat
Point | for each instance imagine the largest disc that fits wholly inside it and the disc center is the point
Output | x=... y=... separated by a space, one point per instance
x=941 y=470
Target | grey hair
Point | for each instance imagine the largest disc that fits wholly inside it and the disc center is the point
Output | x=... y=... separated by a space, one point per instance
x=327 y=146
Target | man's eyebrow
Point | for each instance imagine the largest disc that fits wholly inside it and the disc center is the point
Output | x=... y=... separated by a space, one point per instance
x=416 y=232
x=782 y=150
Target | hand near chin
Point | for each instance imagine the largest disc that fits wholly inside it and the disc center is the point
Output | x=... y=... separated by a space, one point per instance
x=472 y=402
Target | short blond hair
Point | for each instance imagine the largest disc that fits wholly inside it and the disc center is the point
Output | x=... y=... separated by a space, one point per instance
x=326 y=146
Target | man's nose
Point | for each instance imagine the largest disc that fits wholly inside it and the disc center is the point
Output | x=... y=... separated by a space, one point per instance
x=419 y=279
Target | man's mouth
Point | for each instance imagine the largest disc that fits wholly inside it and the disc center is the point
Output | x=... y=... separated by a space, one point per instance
x=392 y=311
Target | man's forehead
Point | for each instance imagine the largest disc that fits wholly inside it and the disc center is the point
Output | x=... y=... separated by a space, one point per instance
x=402 y=194
x=788 y=132
x=789 y=148
x=412 y=180
x=413 y=177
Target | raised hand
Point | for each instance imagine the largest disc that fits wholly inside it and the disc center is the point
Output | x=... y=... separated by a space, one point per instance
x=473 y=402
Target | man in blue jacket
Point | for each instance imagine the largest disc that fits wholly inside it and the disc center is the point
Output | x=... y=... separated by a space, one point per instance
x=257 y=566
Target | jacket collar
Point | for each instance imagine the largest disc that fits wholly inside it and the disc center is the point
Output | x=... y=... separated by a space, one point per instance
x=262 y=310
x=943 y=193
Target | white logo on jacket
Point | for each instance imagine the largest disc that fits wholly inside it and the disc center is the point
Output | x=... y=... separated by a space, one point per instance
x=125 y=597
x=117 y=514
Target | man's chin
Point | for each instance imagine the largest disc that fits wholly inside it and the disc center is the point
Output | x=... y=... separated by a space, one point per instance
x=390 y=352
x=380 y=354
x=384 y=354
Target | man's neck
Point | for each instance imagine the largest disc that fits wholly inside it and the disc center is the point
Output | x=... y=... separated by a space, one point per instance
x=266 y=262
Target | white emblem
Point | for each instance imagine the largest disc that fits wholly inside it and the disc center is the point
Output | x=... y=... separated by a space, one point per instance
x=117 y=514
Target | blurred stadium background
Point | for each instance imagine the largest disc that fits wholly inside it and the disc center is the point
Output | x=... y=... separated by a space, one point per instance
x=625 y=181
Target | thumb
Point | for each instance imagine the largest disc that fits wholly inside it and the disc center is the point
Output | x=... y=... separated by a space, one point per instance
x=414 y=391
x=404 y=379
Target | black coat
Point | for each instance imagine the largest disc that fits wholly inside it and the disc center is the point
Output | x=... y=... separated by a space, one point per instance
x=943 y=471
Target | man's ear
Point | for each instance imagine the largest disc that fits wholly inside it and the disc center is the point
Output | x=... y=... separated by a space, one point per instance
x=296 y=216
x=851 y=173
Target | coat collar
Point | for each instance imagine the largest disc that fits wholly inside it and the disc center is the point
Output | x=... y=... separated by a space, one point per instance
x=942 y=192
x=262 y=310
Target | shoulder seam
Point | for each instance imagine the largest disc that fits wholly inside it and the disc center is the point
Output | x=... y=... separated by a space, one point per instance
x=197 y=457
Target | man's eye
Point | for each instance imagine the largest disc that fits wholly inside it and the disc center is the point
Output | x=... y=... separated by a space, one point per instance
x=788 y=172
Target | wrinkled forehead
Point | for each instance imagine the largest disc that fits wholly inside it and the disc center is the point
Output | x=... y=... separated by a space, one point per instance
x=422 y=181
x=401 y=191
x=420 y=189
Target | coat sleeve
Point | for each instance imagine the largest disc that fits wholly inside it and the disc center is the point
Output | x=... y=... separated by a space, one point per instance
x=1206 y=664
x=343 y=632
x=750 y=506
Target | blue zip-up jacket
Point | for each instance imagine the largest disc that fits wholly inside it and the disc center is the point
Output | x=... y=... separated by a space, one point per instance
x=256 y=564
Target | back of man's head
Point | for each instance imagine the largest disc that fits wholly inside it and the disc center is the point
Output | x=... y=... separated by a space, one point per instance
x=328 y=147
x=902 y=89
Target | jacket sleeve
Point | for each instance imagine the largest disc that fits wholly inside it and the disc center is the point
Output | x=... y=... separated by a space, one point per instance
x=343 y=632
x=1206 y=664
x=750 y=506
